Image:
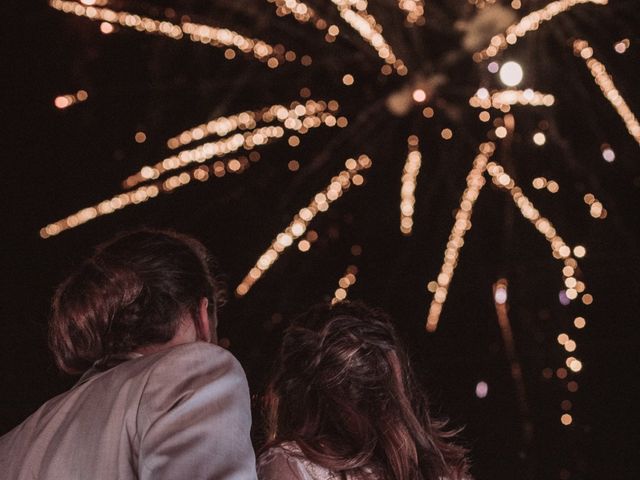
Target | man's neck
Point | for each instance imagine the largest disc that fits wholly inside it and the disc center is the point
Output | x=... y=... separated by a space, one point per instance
x=186 y=334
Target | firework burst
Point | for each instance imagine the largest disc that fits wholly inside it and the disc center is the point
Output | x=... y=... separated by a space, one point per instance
x=409 y=80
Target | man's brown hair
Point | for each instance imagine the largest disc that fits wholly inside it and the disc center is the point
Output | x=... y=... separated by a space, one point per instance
x=132 y=292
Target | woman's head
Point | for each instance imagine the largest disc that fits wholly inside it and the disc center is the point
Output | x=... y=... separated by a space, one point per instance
x=132 y=292
x=344 y=391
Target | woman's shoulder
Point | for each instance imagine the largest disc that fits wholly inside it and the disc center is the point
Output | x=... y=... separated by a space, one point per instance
x=286 y=461
x=288 y=450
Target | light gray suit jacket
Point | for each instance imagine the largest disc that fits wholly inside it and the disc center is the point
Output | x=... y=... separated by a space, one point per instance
x=182 y=413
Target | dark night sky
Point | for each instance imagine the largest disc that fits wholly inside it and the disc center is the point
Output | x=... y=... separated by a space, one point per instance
x=55 y=162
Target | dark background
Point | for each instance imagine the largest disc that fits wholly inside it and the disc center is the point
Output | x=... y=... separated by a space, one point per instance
x=58 y=161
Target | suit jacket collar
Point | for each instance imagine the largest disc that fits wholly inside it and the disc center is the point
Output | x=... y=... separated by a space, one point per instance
x=107 y=363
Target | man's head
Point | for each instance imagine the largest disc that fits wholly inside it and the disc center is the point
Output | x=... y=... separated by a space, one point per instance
x=137 y=291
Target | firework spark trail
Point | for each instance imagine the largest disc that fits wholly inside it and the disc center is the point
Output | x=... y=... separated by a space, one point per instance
x=320 y=203
x=369 y=29
x=300 y=119
x=414 y=10
x=249 y=119
x=407 y=191
x=559 y=248
x=501 y=98
x=219 y=127
x=346 y=281
x=527 y=24
x=217 y=37
x=105 y=207
x=596 y=208
x=300 y=11
x=227 y=145
x=65 y=101
x=202 y=153
x=475 y=182
x=500 y=301
x=147 y=192
x=604 y=80
x=503 y=180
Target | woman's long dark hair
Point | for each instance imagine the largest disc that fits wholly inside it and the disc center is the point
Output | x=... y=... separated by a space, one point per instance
x=344 y=392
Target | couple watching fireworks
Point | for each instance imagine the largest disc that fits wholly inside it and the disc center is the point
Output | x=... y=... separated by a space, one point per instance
x=158 y=399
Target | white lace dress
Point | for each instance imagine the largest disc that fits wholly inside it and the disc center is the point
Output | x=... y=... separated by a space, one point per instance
x=287 y=462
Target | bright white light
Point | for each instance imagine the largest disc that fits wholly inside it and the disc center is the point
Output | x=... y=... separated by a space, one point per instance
x=511 y=74
x=575 y=365
x=482 y=389
x=482 y=93
x=609 y=155
x=579 y=251
x=419 y=95
x=539 y=138
x=500 y=296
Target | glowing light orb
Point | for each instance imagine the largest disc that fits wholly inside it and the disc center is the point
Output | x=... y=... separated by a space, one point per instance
x=579 y=322
x=61 y=102
x=579 y=251
x=539 y=138
x=482 y=389
x=348 y=79
x=609 y=155
x=511 y=74
x=419 y=95
x=106 y=28
x=562 y=297
x=500 y=295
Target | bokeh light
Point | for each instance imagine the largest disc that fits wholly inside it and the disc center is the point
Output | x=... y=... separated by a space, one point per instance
x=511 y=74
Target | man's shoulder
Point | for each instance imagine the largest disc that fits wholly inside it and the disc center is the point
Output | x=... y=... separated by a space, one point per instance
x=196 y=376
x=150 y=397
x=206 y=355
x=181 y=366
x=191 y=366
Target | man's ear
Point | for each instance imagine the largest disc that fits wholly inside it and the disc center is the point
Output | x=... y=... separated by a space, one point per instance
x=203 y=324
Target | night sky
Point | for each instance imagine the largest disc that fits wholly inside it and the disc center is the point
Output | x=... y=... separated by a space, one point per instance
x=57 y=161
